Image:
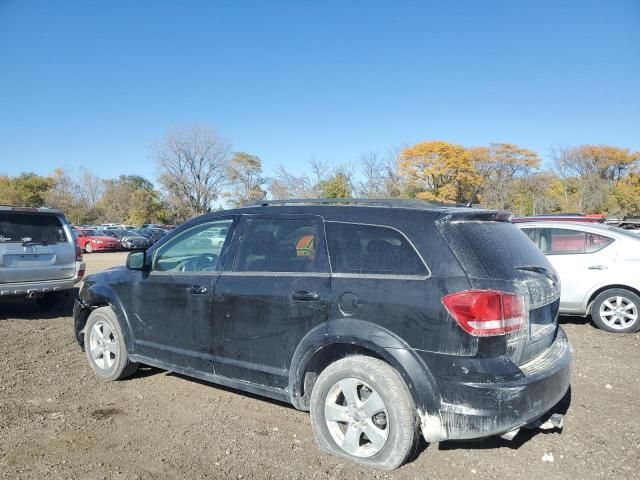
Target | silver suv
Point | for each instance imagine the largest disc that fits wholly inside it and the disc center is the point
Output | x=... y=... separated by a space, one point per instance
x=39 y=257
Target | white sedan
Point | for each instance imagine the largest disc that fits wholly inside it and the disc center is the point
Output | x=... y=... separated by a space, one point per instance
x=599 y=268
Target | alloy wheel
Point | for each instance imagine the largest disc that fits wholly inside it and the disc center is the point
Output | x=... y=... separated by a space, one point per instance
x=103 y=345
x=356 y=417
x=618 y=312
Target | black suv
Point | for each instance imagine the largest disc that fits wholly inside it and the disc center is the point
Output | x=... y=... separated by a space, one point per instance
x=381 y=318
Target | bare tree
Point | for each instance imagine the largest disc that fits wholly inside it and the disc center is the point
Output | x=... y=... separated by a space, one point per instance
x=192 y=163
x=394 y=183
x=559 y=155
x=284 y=184
x=320 y=171
x=91 y=187
x=592 y=171
x=373 y=170
x=500 y=165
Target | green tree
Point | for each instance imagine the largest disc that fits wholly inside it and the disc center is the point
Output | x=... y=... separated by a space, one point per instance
x=8 y=193
x=244 y=172
x=147 y=207
x=337 y=186
x=130 y=198
x=27 y=190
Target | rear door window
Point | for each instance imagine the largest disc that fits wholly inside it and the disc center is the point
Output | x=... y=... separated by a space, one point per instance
x=281 y=245
x=25 y=227
x=372 y=250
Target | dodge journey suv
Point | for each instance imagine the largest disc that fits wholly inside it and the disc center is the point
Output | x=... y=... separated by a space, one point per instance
x=382 y=318
x=39 y=257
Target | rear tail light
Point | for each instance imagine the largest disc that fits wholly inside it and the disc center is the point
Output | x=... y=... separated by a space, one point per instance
x=486 y=313
x=78 y=253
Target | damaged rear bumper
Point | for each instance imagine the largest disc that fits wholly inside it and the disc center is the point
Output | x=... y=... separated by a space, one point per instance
x=493 y=408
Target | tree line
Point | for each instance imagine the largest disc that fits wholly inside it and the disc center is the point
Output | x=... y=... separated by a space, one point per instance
x=199 y=171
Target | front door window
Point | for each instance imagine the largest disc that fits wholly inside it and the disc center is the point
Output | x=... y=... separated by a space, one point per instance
x=195 y=250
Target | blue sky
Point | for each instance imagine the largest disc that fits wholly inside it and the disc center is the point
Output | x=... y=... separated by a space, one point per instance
x=96 y=83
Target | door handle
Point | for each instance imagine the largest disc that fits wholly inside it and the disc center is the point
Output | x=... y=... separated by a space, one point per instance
x=597 y=267
x=197 y=290
x=305 y=296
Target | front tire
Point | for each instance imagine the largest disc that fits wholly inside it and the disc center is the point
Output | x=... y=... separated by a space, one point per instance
x=105 y=347
x=88 y=248
x=361 y=409
x=617 y=310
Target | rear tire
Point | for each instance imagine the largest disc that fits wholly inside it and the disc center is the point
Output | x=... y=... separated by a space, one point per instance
x=617 y=310
x=105 y=347
x=362 y=410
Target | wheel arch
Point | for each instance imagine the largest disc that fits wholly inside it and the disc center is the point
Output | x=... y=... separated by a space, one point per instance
x=339 y=338
x=604 y=288
x=96 y=296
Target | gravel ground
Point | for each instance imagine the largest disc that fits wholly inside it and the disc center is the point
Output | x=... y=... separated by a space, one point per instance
x=58 y=421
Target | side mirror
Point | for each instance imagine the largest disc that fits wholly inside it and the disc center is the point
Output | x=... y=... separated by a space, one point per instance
x=135 y=261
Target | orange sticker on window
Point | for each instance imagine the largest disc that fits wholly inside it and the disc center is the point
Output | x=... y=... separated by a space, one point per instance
x=306 y=246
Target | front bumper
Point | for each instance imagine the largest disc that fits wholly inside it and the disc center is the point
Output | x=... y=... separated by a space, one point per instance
x=135 y=245
x=480 y=409
x=103 y=247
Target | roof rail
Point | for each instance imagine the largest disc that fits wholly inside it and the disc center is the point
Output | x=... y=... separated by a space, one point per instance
x=372 y=202
x=18 y=208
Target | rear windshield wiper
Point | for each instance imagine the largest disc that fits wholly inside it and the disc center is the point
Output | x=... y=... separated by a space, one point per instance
x=536 y=269
x=31 y=244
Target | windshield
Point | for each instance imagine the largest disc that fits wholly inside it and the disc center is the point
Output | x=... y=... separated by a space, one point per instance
x=29 y=227
x=92 y=233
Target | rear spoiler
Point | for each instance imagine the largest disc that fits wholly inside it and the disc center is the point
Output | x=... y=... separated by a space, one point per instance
x=475 y=215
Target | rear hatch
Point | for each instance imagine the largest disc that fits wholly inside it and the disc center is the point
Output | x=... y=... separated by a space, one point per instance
x=497 y=255
x=35 y=246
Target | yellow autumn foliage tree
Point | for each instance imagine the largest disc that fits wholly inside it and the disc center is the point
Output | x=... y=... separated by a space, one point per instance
x=438 y=171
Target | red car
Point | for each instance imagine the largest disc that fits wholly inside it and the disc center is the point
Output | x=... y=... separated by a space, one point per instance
x=94 y=241
x=562 y=217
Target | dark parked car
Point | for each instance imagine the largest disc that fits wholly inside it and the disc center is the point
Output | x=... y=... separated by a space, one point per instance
x=381 y=318
x=129 y=240
x=153 y=234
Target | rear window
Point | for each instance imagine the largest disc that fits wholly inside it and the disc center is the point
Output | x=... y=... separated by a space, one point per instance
x=500 y=247
x=371 y=249
x=29 y=227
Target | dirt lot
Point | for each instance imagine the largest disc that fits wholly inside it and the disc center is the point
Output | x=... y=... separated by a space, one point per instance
x=58 y=421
